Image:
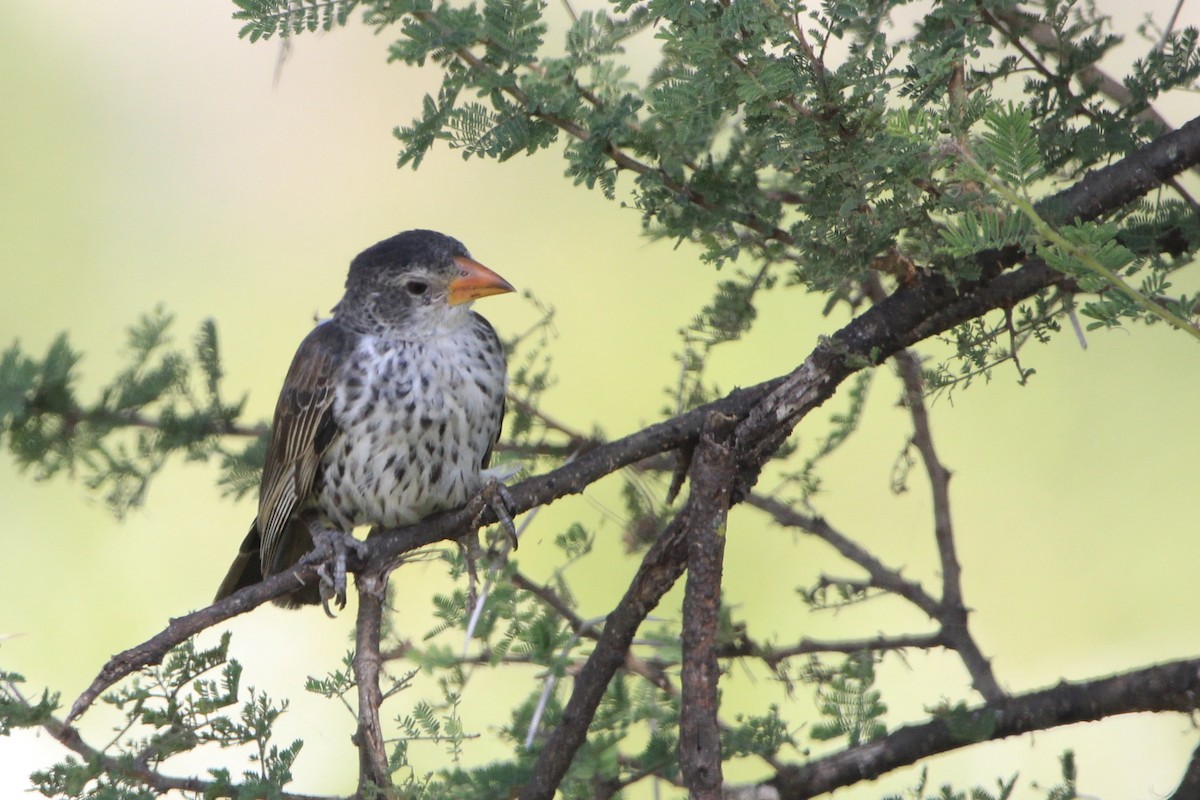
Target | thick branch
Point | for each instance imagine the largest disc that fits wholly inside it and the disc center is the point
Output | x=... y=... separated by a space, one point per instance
x=699 y=728
x=661 y=567
x=388 y=547
x=1165 y=687
x=1189 y=784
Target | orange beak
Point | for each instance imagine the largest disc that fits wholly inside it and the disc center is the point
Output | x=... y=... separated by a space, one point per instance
x=474 y=281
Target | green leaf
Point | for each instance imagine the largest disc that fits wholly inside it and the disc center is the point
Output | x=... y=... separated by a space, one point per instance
x=1008 y=146
x=267 y=18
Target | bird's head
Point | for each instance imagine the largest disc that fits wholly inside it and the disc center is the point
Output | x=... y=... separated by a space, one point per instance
x=415 y=284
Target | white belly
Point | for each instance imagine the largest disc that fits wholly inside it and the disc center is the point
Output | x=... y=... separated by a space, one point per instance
x=414 y=429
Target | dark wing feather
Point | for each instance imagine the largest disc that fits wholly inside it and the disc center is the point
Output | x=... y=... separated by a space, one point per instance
x=487 y=457
x=245 y=569
x=303 y=429
x=490 y=333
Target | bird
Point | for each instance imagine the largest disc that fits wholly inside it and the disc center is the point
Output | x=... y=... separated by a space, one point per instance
x=389 y=412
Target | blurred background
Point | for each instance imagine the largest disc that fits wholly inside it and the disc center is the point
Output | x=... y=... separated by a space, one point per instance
x=150 y=158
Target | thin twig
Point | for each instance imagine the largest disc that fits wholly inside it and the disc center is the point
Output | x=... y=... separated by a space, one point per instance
x=575 y=440
x=1166 y=34
x=773 y=656
x=501 y=558
x=909 y=367
x=535 y=719
x=1014 y=24
x=882 y=576
x=551 y=598
x=952 y=613
x=136 y=419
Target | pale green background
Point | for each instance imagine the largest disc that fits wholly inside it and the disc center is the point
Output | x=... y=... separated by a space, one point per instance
x=146 y=158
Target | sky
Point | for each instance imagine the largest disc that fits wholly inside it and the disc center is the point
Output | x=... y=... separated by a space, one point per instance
x=151 y=158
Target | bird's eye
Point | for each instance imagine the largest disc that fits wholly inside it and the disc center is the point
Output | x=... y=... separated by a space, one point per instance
x=416 y=288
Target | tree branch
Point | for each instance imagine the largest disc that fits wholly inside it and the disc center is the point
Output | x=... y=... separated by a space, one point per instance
x=882 y=577
x=1017 y=24
x=953 y=611
x=1165 y=687
x=548 y=596
x=1013 y=24
x=68 y=736
x=374 y=777
x=1189 y=784
x=128 y=418
x=699 y=728
x=179 y=629
x=661 y=567
x=773 y=656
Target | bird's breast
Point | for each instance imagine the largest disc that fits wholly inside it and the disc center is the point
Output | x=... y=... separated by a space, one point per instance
x=416 y=420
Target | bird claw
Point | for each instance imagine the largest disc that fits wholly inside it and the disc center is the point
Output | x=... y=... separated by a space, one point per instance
x=331 y=548
x=495 y=495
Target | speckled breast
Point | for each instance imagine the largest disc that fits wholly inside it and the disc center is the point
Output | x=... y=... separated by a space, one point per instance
x=416 y=421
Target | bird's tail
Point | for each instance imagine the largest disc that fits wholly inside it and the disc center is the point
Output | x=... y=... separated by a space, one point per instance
x=247 y=569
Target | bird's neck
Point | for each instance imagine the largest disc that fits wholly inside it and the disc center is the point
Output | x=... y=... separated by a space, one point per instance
x=416 y=327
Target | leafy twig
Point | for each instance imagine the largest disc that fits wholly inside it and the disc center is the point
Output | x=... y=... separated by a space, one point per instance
x=1023 y=204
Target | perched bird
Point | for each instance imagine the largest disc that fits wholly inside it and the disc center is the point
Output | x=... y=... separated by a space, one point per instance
x=388 y=413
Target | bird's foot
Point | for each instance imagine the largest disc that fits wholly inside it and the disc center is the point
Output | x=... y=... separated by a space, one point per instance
x=331 y=549
x=495 y=495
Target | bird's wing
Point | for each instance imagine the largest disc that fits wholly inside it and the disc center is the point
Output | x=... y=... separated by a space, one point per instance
x=487 y=457
x=303 y=428
x=486 y=326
